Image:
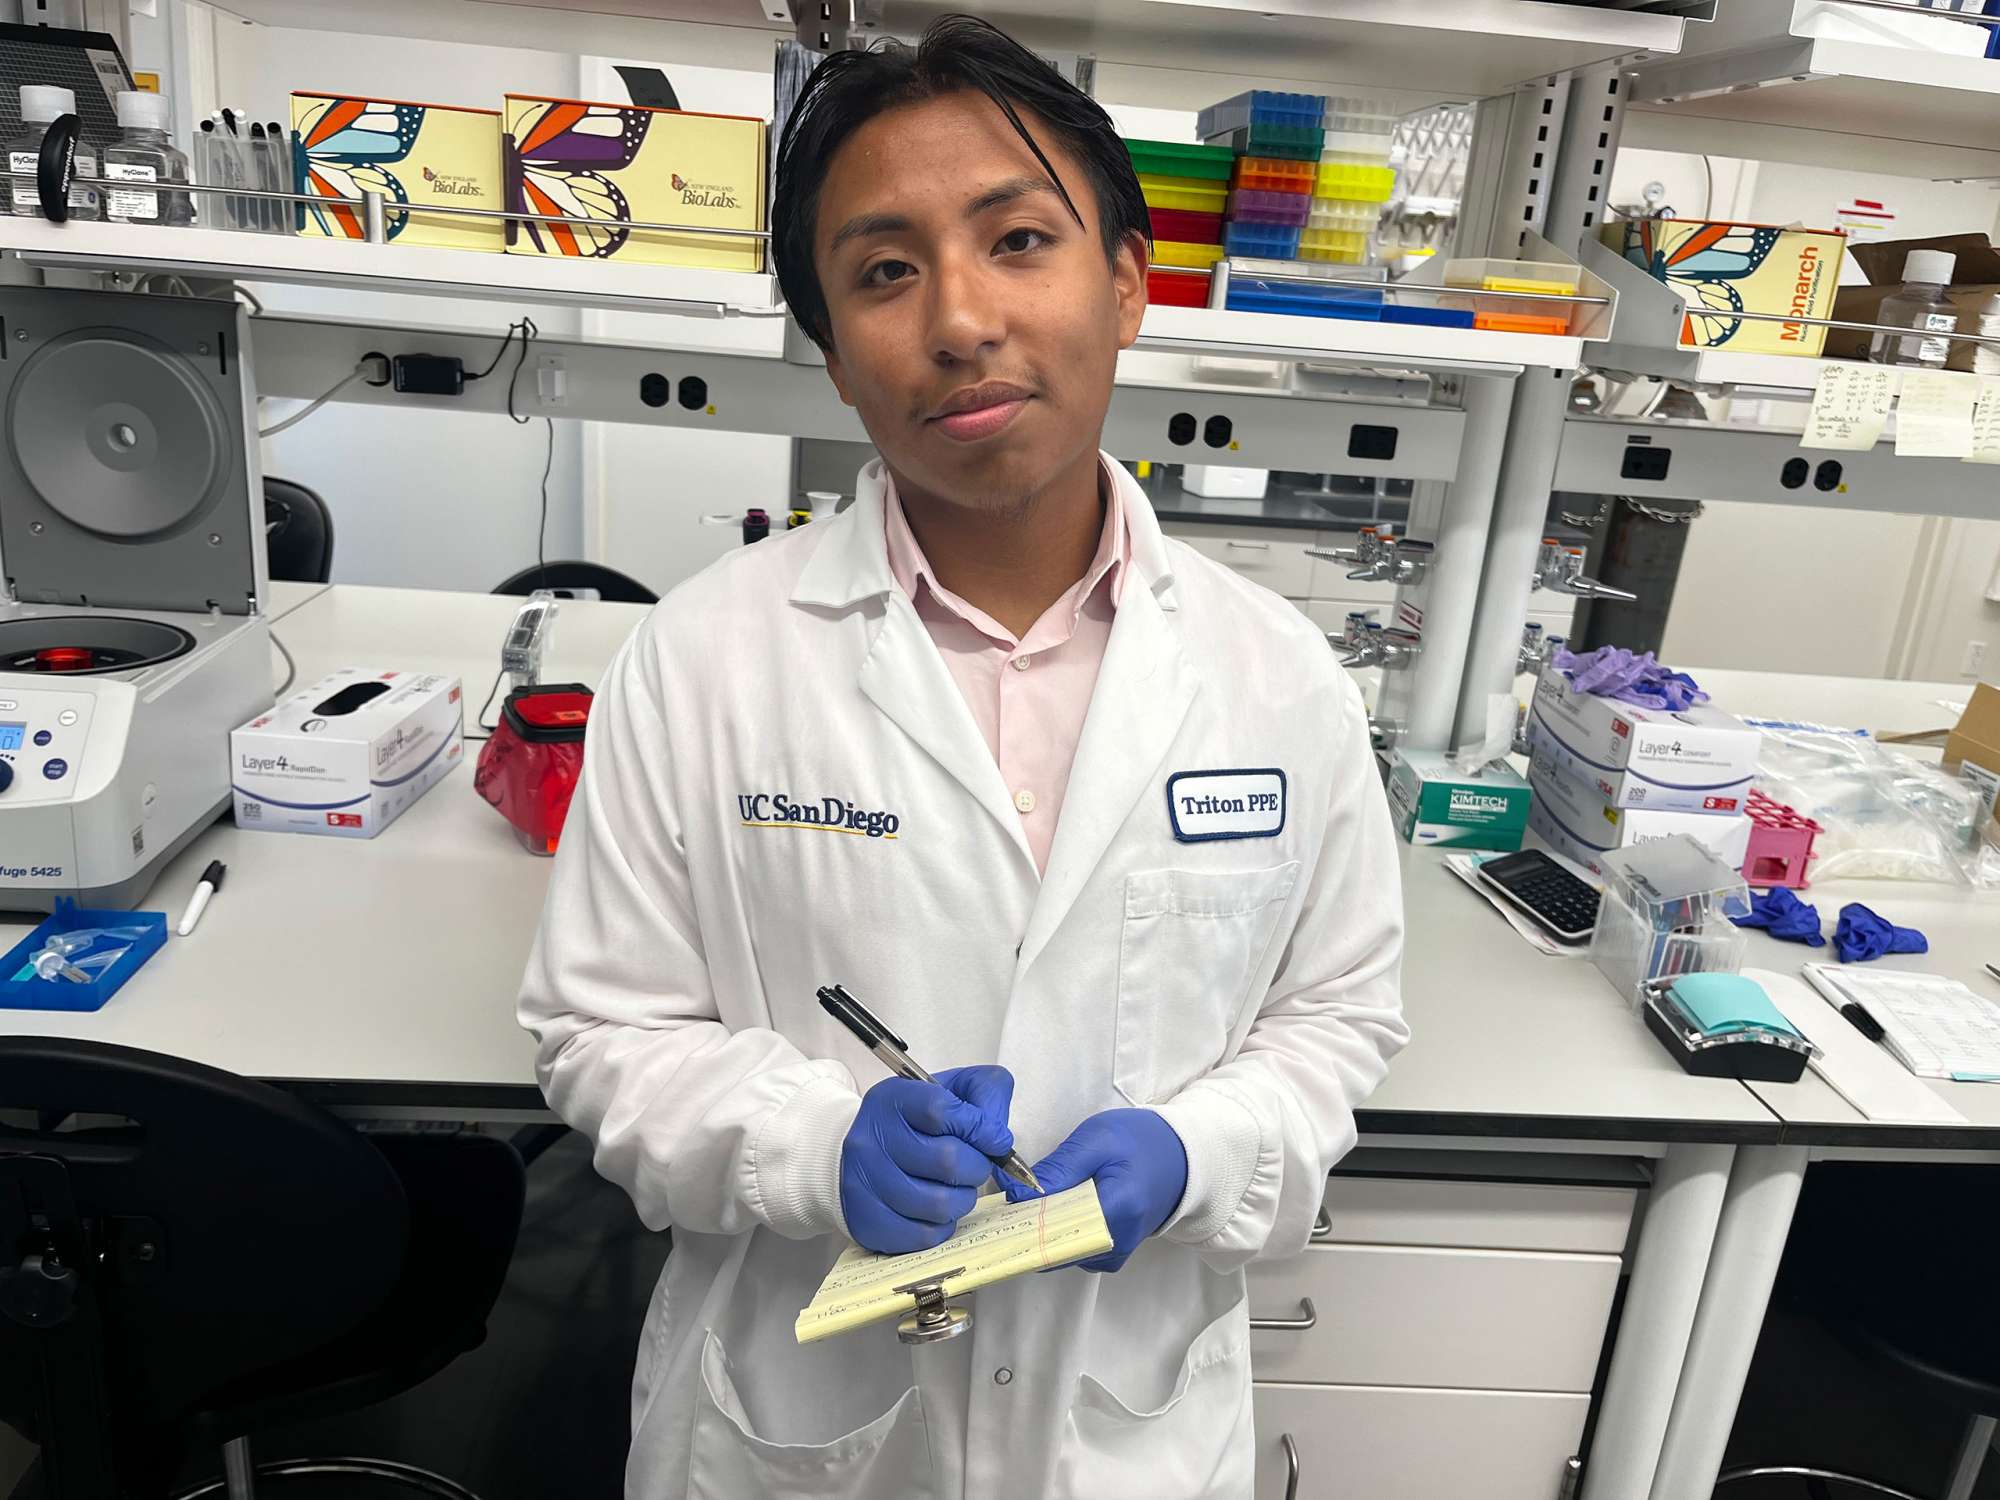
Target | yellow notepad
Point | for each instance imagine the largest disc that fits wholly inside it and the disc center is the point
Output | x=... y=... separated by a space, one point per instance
x=995 y=1241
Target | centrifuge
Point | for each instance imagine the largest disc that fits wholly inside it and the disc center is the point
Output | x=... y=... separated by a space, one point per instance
x=133 y=635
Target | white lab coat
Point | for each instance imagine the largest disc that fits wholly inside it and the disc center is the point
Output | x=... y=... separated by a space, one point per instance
x=1244 y=987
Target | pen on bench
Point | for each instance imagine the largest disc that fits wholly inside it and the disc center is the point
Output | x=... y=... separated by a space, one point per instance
x=1995 y=972
x=886 y=1045
x=1862 y=1022
x=207 y=886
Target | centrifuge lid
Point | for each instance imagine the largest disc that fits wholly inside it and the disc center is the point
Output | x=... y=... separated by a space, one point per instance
x=129 y=452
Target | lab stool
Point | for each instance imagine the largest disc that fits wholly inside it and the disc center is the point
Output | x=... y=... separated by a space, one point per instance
x=1895 y=1260
x=189 y=1258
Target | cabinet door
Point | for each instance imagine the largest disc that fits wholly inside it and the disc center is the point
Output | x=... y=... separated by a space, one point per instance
x=1397 y=1315
x=1274 y=556
x=1383 y=1443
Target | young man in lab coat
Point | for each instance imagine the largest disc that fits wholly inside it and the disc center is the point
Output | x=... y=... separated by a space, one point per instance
x=1069 y=806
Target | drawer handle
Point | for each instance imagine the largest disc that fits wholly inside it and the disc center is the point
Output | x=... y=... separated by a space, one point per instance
x=1291 y=1466
x=1322 y=1226
x=1251 y=546
x=1307 y=1318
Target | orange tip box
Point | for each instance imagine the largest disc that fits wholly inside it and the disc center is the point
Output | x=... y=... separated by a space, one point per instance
x=413 y=154
x=589 y=163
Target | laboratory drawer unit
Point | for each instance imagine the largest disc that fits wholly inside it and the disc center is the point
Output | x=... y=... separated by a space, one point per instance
x=1404 y=1315
x=1271 y=555
x=1381 y=1443
x=1473 y=1215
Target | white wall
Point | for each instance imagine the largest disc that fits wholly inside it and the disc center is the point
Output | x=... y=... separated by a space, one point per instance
x=418 y=499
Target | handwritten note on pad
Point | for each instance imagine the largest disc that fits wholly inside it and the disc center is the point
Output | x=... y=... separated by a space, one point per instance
x=1850 y=406
x=994 y=1242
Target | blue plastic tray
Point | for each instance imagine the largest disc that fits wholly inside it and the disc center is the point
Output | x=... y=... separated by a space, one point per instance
x=1261 y=107
x=1430 y=317
x=62 y=994
x=1287 y=297
x=1261 y=241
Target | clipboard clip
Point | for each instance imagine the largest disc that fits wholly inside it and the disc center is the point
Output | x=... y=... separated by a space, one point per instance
x=934 y=1320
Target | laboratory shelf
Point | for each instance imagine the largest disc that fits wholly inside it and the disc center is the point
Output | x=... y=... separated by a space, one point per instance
x=1833 y=73
x=223 y=254
x=1466 y=46
x=1200 y=330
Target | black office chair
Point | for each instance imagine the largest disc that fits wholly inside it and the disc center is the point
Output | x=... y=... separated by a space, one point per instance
x=190 y=1258
x=298 y=532
x=570 y=578
x=1897 y=1260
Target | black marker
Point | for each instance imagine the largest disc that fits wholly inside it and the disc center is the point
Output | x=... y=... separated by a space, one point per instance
x=210 y=883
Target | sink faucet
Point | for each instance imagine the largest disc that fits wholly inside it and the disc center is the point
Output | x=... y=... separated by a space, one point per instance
x=1559 y=569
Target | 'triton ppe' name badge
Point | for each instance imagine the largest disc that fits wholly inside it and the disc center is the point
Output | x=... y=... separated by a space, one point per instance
x=1207 y=805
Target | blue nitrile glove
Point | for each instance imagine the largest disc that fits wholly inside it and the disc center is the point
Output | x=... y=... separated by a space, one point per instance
x=1782 y=914
x=1862 y=935
x=915 y=1153
x=1141 y=1170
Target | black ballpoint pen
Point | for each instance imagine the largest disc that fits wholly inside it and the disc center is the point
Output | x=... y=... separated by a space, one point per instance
x=886 y=1045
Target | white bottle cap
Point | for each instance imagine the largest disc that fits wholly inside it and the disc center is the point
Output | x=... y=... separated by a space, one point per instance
x=1933 y=267
x=824 y=502
x=140 y=110
x=43 y=102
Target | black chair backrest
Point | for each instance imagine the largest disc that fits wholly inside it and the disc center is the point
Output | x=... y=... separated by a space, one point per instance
x=217 y=1226
x=298 y=532
x=569 y=578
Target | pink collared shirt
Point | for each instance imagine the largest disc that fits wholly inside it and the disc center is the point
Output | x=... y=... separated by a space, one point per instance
x=1028 y=694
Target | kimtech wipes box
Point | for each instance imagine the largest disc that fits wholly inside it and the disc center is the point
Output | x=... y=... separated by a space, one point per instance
x=1697 y=748
x=347 y=755
x=1434 y=802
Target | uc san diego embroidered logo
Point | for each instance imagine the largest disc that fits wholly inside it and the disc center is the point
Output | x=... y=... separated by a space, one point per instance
x=830 y=814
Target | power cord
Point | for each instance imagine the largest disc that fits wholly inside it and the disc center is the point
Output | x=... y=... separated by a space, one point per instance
x=368 y=364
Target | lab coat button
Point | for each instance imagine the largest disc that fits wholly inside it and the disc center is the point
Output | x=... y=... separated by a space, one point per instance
x=1002 y=1375
x=1024 y=801
x=1020 y=664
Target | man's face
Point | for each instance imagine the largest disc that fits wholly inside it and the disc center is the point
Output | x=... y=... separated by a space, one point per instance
x=976 y=326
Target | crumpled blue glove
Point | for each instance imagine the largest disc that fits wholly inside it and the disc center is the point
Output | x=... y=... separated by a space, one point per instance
x=915 y=1153
x=1781 y=913
x=1141 y=1171
x=1862 y=935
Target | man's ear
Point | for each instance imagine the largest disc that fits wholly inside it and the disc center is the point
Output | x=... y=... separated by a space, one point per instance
x=834 y=370
x=1128 y=277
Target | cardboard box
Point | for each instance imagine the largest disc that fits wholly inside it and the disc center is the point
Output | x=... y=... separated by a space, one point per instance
x=1717 y=267
x=1973 y=751
x=414 y=153
x=1698 y=748
x=1584 y=829
x=1435 y=803
x=348 y=755
x=1975 y=277
x=1629 y=787
x=621 y=161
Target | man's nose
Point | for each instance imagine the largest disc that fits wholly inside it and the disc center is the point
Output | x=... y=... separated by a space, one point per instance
x=968 y=317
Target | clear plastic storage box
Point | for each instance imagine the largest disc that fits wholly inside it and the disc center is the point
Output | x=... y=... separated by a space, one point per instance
x=1666 y=911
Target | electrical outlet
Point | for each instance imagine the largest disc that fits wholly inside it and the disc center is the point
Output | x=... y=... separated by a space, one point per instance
x=551 y=381
x=1974 y=661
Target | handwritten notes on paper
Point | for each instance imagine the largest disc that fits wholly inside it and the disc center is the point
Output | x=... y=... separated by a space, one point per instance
x=1934 y=414
x=1986 y=423
x=1850 y=406
x=994 y=1242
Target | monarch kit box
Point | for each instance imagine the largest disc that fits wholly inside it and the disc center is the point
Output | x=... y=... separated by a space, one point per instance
x=413 y=154
x=1721 y=269
x=592 y=163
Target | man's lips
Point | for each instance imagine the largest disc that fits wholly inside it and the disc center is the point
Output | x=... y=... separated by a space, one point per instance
x=980 y=411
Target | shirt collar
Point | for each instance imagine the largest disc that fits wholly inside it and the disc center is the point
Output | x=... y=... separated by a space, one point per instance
x=1108 y=565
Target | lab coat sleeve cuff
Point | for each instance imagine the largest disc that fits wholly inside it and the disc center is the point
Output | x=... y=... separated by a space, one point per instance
x=1222 y=1142
x=797 y=1159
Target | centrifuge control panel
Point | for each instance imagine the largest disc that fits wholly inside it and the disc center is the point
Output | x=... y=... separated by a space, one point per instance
x=42 y=735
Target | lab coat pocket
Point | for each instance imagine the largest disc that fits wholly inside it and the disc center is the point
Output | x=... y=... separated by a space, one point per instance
x=1197 y=1444
x=1191 y=941
x=886 y=1459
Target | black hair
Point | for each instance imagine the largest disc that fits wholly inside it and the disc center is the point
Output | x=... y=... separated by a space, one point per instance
x=955 y=53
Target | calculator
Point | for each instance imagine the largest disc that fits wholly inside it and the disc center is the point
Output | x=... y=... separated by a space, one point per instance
x=1554 y=900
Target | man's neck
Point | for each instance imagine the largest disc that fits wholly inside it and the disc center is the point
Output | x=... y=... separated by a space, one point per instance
x=1013 y=563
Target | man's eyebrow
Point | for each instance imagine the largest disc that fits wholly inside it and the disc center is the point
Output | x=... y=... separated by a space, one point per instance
x=867 y=224
x=1006 y=192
